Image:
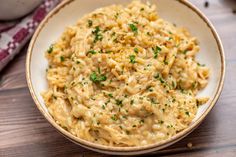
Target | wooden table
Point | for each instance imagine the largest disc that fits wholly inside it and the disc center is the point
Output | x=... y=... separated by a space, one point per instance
x=25 y=132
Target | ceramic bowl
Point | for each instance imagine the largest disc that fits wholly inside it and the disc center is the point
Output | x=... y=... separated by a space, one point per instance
x=13 y=9
x=180 y=12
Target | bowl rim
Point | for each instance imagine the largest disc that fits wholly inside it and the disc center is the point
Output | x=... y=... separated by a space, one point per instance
x=114 y=150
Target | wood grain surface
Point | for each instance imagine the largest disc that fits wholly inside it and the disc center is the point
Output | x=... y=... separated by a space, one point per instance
x=24 y=131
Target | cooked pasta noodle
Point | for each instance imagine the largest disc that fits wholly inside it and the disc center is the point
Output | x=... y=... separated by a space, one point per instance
x=122 y=76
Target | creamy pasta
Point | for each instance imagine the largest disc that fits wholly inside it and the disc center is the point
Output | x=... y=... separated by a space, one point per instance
x=123 y=76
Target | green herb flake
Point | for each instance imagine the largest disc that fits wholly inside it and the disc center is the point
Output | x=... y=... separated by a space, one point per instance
x=110 y=95
x=124 y=116
x=187 y=113
x=92 y=52
x=103 y=107
x=157 y=76
x=194 y=84
x=99 y=70
x=97 y=34
x=50 y=49
x=108 y=51
x=166 y=62
x=141 y=121
x=54 y=97
x=156 y=51
x=102 y=78
x=97 y=78
x=132 y=59
x=62 y=59
x=161 y=121
x=116 y=15
x=90 y=23
x=114 y=117
x=153 y=101
x=201 y=65
x=132 y=102
x=185 y=52
x=173 y=83
x=133 y=28
x=136 y=50
x=119 y=103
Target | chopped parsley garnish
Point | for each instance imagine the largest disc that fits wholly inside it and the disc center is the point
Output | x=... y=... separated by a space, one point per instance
x=124 y=116
x=97 y=34
x=194 y=84
x=99 y=70
x=133 y=28
x=201 y=65
x=108 y=51
x=132 y=59
x=187 y=113
x=97 y=78
x=185 y=52
x=62 y=59
x=113 y=117
x=110 y=95
x=156 y=51
x=119 y=103
x=92 y=52
x=77 y=62
x=136 y=50
x=50 y=49
x=141 y=121
x=173 y=100
x=103 y=107
x=131 y=102
x=153 y=101
x=116 y=15
x=113 y=34
x=161 y=121
x=90 y=23
x=150 y=90
x=159 y=77
x=166 y=62
x=173 y=84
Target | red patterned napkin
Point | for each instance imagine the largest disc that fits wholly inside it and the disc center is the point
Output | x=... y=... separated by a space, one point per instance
x=14 y=35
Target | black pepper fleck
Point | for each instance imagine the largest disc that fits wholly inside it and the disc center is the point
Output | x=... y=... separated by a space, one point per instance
x=206 y=4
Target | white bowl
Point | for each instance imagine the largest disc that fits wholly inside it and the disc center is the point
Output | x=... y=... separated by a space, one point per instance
x=12 y=9
x=179 y=12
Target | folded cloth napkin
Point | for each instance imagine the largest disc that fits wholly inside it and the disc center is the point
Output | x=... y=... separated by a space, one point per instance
x=15 y=34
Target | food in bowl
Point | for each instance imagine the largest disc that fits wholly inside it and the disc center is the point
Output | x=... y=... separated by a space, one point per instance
x=123 y=76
